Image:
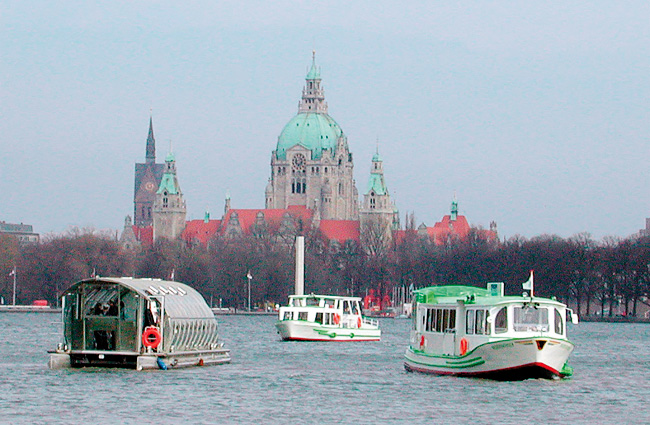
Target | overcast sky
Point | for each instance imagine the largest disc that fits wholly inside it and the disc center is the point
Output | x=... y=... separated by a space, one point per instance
x=534 y=113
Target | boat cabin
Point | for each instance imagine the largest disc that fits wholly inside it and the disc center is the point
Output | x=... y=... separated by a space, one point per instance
x=447 y=314
x=121 y=321
x=323 y=309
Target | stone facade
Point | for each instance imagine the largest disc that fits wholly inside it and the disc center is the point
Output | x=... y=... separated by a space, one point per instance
x=378 y=215
x=169 y=208
x=312 y=165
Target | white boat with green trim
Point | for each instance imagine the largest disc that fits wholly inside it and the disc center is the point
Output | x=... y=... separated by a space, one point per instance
x=322 y=317
x=325 y=318
x=469 y=331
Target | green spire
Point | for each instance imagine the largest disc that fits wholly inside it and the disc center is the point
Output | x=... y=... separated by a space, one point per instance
x=454 y=209
x=314 y=72
x=169 y=183
x=376 y=157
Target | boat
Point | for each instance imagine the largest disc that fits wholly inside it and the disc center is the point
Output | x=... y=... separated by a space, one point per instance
x=322 y=317
x=137 y=324
x=476 y=332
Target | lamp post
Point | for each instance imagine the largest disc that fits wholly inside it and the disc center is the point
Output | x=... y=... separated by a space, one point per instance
x=13 y=273
x=249 y=277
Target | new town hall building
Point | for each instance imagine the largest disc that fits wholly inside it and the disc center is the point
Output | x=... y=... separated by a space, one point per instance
x=311 y=187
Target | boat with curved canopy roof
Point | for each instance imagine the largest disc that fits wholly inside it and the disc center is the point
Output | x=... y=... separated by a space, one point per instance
x=138 y=324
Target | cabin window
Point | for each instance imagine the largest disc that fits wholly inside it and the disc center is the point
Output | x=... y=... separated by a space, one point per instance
x=530 y=319
x=438 y=320
x=501 y=321
x=430 y=316
x=312 y=302
x=480 y=320
x=559 y=325
x=287 y=315
x=445 y=320
x=469 y=322
x=302 y=315
x=355 y=308
x=451 y=325
x=101 y=301
x=319 y=318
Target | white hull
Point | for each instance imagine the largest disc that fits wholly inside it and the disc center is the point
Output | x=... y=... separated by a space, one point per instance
x=535 y=357
x=296 y=330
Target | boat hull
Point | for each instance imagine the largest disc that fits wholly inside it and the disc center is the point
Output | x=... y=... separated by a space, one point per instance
x=295 y=330
x=128 y=360
x=513 y=359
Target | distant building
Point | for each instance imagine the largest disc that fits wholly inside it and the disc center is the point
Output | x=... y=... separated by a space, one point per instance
x=311 y=189
x=312 y=165
x=455 y=227
x=23 y=232
x=169 y=208
x=147 y=181
x=378 y=216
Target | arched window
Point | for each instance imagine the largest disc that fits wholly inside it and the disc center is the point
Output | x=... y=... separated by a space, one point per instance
x=341 y=189
x=372 y=201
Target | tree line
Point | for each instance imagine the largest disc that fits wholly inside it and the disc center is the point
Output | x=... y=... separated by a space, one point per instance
x=607 y=277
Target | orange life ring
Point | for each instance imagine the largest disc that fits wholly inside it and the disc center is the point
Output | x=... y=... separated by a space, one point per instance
x=464 y=345
x=337 y=319
x=151 y=337
x=359 y=322
x=421 y=342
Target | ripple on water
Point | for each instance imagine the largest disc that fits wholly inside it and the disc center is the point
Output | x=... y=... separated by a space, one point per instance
x=274 y=381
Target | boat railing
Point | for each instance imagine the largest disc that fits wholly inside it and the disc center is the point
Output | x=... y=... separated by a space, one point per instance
x=371 y=322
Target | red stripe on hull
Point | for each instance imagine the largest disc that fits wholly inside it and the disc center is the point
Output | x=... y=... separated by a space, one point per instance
x=530 y=370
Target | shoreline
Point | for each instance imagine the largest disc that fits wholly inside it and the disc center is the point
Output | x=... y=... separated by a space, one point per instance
x=233 y=312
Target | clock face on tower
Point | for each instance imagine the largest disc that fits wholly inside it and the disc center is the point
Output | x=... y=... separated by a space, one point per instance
x=298 y=162
x=149 y=186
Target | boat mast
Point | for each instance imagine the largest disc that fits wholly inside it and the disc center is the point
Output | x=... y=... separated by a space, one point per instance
x=300 y=266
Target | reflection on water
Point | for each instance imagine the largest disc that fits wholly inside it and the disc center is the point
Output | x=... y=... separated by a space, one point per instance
x=319 y=382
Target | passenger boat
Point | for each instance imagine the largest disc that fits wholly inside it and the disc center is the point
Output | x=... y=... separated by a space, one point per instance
x=138 y=324
x=322 y=317
x=469 y=331
x=325 y=318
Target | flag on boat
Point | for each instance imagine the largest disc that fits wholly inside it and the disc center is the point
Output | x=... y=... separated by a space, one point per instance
x=528 y=285
x=171 y=277
x=249 y=275
x=13 y=272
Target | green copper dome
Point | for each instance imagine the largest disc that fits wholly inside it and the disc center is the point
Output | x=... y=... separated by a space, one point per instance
x=314 y=131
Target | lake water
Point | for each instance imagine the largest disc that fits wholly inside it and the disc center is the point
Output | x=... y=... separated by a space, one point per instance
x=308 y=382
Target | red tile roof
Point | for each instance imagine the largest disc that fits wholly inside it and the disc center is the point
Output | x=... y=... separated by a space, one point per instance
x=200 y=231
x=340 y=230
x=273 y=217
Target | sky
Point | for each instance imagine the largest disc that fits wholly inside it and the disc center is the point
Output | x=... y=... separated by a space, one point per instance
x=534 y=114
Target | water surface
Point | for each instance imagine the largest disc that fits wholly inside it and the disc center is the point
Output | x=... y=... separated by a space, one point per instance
x=319 y=382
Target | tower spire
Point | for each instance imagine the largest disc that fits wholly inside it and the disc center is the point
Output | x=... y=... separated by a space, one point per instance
x=150 y=156
x=313 y=97
x=454 y=208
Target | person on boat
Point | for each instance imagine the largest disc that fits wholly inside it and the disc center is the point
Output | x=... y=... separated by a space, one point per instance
x=112 y=308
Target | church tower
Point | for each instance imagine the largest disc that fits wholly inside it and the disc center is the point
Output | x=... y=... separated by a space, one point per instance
x=378 y=216
x=312 y=164
x=169 y=206
x=147 y=179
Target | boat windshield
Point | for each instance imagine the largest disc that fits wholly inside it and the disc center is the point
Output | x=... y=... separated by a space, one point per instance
x=312 y=302
x=529 y=318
